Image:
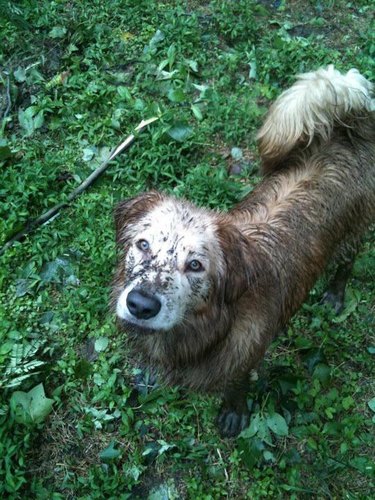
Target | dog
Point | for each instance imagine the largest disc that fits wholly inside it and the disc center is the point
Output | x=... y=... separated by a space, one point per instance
x=201 y=294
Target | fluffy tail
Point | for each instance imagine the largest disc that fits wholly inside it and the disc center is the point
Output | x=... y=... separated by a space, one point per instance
x=310 y=109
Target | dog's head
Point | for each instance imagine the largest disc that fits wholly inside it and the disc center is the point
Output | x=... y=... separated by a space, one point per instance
x=175 y=259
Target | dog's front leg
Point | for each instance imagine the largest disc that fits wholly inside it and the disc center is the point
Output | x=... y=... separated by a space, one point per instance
x=145 y=380
x=234 y=414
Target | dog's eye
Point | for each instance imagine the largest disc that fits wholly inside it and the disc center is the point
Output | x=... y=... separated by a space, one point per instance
x=195 y=266
x=143 y=245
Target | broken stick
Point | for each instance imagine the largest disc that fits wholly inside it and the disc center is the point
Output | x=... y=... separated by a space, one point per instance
x=52 y=212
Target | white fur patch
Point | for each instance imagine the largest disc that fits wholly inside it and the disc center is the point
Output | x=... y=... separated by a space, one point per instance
x=311 y=107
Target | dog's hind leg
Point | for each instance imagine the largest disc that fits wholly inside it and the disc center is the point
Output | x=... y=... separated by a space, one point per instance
x=335 y=293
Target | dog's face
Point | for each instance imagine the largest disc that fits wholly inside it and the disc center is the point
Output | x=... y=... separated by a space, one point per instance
x=175 y=259
x=170 y=261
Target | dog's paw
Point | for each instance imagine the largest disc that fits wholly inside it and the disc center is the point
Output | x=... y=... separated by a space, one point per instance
x=335 y=300
x=145 y=381
x=231 y=423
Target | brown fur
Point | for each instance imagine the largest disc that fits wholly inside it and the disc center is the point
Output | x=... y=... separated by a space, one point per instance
x=317 y=195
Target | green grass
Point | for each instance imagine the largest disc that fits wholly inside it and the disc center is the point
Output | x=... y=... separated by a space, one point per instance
x=75 y=79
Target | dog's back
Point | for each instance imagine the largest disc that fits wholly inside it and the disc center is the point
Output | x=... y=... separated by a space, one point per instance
x=317 y=148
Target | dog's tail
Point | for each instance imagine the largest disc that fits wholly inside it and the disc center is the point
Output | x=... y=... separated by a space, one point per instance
x=310 y=109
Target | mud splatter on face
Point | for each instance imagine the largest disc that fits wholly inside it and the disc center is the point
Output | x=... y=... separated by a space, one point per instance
x=171 y=257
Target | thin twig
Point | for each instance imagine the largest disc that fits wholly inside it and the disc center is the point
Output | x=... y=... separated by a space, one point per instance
x=52 y=212
x=124 y=145
x=222 y=463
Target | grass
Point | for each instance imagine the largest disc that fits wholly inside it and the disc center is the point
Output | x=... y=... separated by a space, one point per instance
x=75 y=79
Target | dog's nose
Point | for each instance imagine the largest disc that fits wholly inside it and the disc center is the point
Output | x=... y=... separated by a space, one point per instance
x=142 y=305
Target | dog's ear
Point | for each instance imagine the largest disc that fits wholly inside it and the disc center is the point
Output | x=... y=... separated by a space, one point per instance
x=128 y=212
x=235 y=249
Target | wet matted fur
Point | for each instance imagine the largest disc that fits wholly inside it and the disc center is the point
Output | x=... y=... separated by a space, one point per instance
x=200 y=293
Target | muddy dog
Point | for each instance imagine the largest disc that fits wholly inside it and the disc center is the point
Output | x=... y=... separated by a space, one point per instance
x=201 y=294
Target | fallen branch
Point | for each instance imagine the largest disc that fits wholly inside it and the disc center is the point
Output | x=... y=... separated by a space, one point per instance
x=52 y=212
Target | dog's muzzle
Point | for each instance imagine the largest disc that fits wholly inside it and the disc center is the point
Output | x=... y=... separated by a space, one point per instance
x=142 y=305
